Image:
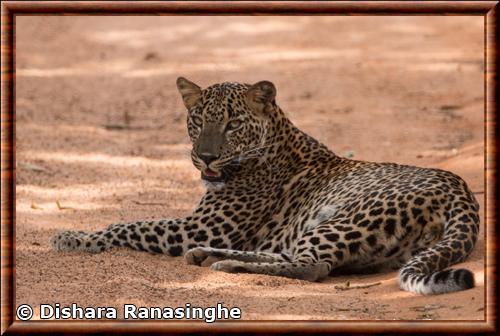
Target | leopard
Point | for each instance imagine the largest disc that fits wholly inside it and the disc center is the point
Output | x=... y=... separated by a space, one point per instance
x=278 y=202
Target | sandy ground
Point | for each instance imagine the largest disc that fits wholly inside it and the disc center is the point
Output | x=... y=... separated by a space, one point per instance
x=101 y=130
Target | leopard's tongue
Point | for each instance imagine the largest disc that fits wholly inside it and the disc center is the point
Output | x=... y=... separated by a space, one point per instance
x=210 y=173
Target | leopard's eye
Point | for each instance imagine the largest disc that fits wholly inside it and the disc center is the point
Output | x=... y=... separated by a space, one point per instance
x=233 y=125
x=197 y=121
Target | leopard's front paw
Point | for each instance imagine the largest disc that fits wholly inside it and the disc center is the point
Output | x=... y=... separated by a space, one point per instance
x=200 y=256
x=67 y=241
x=229 y=266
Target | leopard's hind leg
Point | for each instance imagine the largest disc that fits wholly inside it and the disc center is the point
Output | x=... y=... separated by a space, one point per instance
x=426 y=272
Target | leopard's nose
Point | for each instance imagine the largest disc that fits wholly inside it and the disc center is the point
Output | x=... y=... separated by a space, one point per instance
x=208 y=157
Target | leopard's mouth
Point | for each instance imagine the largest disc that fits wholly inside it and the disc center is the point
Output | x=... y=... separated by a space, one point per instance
x=213 y=176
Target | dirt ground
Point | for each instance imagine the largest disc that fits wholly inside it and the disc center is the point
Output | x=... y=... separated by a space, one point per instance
x=101 y=138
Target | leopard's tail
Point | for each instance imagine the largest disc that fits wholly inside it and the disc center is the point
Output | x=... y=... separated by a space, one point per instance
x=426 y=273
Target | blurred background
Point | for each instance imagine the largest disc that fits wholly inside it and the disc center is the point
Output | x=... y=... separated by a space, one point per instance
x=376 y=80
x=101 y=133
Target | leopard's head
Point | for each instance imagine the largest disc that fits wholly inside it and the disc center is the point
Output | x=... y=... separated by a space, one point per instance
x=227 y=124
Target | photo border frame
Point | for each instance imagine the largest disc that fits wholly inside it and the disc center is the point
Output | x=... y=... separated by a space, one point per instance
x=10 y=9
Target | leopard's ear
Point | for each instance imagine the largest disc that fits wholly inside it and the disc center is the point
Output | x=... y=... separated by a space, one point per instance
x=260 y=96
x=189 y=91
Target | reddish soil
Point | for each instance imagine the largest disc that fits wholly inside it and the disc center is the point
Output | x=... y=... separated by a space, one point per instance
x=101 y=130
